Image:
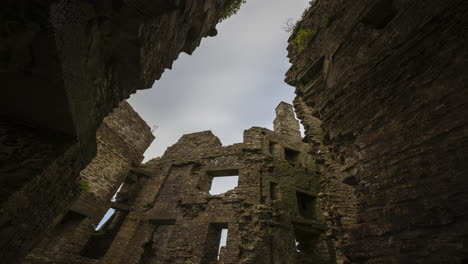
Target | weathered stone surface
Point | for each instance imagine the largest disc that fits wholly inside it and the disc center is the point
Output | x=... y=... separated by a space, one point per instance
x=122 y=138
x=64 y=65
x=386 y=82
x=174 y=219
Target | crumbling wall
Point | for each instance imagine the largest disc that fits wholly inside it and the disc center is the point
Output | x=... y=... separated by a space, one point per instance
x=385 y=82
x=122 y=139
x=64 y=65
x=175 y=219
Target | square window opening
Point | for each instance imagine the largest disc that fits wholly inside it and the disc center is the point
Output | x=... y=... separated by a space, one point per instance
x=223 y=181
x=291 y=155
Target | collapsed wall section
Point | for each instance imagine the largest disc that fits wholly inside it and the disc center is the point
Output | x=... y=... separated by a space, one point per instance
x=384 y=83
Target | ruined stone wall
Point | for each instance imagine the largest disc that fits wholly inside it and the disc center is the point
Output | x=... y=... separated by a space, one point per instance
x=385 y=83
x=64 y=65
x=122 y=138
x=175 y=219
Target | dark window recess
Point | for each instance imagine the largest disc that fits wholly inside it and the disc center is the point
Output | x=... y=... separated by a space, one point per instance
x=100 y=241
x=215 y=241
x=271 y=147
x=291 y=155
x=70 y=221
x=306 y=241
x=306 y=204
x=274 y=191
x=221 y=181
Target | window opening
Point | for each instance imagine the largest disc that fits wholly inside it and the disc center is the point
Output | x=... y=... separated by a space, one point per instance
x=109 y=212
x=223 y=181
x=306 y=204
x=222 y=240
x=114 y=198
x=216 y=241
x=100 y=242
x=105 y=219
x=291 y=155
x=305 y=240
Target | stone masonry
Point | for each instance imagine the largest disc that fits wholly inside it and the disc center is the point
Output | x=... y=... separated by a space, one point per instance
x=383 y=85
x=122 y=139
x=64 y=66
x=270 y=217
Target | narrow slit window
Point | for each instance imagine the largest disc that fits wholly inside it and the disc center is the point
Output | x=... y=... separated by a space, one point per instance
x=100 y=242
x=105 y=219
x=109 y=212
x=222 y=240
x=223 y=181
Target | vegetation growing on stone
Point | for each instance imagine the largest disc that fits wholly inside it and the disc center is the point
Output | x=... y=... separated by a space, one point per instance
x=232 y=7
x=303 y=38
x=84 y=186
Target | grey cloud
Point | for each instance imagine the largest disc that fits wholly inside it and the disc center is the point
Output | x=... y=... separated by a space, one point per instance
x=232 y=81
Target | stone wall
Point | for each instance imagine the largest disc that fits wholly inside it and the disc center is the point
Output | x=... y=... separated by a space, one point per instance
x=175 y=219
x=385 y=83
x=122 y=139
x=64 y=65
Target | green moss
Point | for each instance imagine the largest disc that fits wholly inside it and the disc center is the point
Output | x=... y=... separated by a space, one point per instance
x=303 y=38
x=84 y=187
x=231 y=8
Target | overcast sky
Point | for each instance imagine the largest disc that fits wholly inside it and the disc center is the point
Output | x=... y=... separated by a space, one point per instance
x=230 y=83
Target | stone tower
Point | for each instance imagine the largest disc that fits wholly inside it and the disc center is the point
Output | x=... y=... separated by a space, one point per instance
x=285 y=123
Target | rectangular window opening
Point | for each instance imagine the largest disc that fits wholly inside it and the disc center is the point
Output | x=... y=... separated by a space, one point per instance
x=291 y=155
x=216 y=241
x=223 y=181
x=306 y=204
